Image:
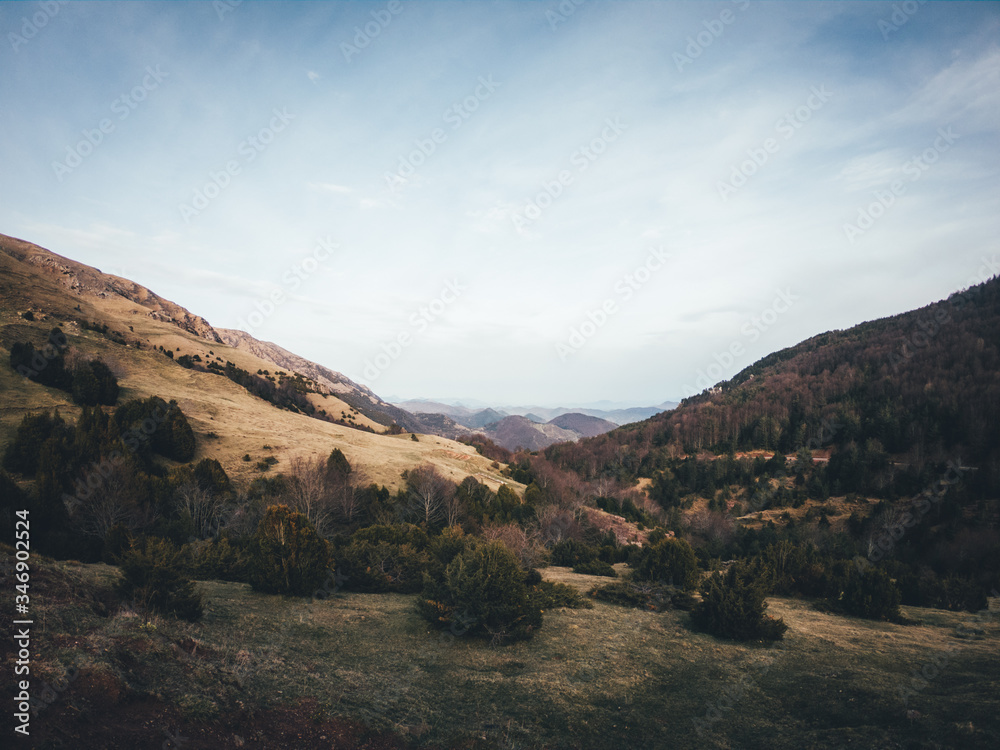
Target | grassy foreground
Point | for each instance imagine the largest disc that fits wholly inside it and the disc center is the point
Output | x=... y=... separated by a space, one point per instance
x=358 y=670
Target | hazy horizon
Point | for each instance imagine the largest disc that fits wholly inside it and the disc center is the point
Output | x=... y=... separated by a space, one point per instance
x=522 y=203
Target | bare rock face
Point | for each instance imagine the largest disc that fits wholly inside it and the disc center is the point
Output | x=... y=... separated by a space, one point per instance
x=87 y=281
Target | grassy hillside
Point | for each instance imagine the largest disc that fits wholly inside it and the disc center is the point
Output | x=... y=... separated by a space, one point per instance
x=228 y=421
x=261 y=670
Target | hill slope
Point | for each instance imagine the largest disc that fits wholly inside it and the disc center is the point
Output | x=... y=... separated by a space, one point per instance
x=921 y=386
x=130 y=327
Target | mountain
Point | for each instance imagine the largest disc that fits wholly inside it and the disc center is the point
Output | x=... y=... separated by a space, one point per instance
x=906 y=394
x=157 y=347
x=520 y=432
x=583 y=424
x=480 y=416
x=360 y=397
x=461 y=415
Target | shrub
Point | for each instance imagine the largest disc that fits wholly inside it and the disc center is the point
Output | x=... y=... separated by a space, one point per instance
x=287 y=556
x=549 y=595
x=671 y=561
x=871 y=594
x=483 y=589
x=570 y=553
x=595 y=568
x=386 y=558
x=337 y=465
x=218 y=560
x=733 y=606
x=94 y=383
x=154 y=576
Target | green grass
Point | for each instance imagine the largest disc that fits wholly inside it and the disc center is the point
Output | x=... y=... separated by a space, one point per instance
x=607 y=677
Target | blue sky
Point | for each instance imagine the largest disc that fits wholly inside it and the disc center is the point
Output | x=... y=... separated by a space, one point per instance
x=518 y=202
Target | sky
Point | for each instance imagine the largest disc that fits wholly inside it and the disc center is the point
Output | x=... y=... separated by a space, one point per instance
x=549 y=203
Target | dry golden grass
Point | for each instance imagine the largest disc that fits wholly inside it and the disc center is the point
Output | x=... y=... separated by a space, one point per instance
x=228 y=421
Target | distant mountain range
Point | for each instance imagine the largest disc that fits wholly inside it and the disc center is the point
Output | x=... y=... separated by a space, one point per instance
x=528 y=427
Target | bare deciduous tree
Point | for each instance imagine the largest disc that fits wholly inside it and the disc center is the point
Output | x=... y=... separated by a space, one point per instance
x=206 y=508
x=114 y=502
x=307 y=492
x=428 y=493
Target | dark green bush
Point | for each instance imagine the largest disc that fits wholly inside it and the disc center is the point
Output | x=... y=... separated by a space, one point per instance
x=872 y=594
x=569 y=553
x=218 y=560
x=94 y=383
x=484 y=590
x=549 y=595
x=387 y=558
x=733 y=606
x=287 y=556
x=154 y=577
x=595 y=568
x=671 y=561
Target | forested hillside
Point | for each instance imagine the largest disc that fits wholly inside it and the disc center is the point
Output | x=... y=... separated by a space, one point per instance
x=917 y=388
